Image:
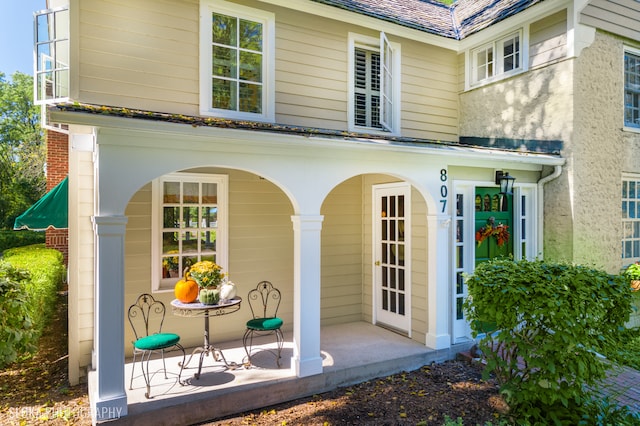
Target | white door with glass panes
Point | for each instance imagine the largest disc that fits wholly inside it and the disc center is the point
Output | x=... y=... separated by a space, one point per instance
x=392 y=246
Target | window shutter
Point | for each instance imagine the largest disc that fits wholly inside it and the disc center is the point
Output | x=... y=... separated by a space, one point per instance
x=360 y=87
x=386 y=83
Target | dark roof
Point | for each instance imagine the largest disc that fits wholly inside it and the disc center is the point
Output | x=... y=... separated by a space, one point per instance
x=457 y=21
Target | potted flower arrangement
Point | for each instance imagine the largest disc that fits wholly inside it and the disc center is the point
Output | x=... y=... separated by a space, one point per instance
x=500 y=232
x=209 y=277
x=632 y=272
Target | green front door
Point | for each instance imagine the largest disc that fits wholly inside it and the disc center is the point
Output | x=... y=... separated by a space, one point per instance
x=493 y=211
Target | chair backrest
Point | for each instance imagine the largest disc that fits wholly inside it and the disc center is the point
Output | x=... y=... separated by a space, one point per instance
x=264 y=300
x=146 y=316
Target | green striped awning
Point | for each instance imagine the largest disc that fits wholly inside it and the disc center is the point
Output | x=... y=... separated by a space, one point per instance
x=49 y=211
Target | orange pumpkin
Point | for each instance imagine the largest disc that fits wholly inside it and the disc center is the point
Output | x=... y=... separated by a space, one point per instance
x=186 y=290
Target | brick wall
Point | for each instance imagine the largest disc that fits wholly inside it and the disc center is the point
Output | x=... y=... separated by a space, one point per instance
x=57 y=169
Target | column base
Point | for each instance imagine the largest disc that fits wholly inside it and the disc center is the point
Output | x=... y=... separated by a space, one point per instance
x=308 y=367
x=439 y=341
x=103 y=409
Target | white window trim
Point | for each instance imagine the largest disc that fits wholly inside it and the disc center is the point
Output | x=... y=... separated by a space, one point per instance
x=636 y=52
x=267 y=19
x=371 y=43
x=57 y=75
x=159 y=284
x=499 y=74
x=628 y=260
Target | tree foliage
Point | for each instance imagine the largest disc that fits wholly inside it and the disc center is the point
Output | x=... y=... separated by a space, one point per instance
x=22 y=148
x=544 y=326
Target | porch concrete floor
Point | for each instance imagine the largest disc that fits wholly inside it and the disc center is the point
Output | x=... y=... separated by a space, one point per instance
x=351 y=353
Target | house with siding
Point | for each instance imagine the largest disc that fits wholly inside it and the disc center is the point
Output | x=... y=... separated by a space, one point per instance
x=346 y=150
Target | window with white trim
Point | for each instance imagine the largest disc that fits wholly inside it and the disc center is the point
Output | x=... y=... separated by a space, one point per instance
x=498 y=59
x=51 y=82
x=632 y=88
x=188 y=224
x=374 y=76
x=236 y=61
x=631 y=218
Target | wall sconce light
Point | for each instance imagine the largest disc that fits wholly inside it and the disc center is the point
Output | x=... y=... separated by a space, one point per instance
x=505 y=181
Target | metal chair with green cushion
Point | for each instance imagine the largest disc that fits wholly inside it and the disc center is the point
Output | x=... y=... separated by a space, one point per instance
x=264 y=302
x=146 y=317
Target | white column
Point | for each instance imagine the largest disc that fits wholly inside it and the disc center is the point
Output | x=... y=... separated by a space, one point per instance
x=306 y=359
x=108 y=398
x=438 y=282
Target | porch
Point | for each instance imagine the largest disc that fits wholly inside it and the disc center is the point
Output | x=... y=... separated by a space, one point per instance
x=351 y=353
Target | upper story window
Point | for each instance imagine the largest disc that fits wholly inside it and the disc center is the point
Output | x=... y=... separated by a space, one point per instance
x=374 y=84
x=188 y=224
x=497 y=59
x=51 y=35
x=236 y=61
x=631 y=218
x=632 y=88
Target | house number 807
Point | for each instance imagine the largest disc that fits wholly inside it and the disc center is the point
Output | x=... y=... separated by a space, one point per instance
x=443 y=189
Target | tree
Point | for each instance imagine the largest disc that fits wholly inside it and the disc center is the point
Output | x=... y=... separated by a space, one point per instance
x=22 y=148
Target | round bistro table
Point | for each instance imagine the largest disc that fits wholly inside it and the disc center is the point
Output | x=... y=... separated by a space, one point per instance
x=197 y=309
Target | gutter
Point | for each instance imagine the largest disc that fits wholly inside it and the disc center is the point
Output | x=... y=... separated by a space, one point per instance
x=556 y=173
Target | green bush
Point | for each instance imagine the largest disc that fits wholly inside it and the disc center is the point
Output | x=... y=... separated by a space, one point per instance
x=30 y=277
x=10 y=239
x=17 y=335
x=552 y=321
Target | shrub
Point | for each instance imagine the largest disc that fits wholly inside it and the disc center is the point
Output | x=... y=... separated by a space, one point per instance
x=16 y=329
x=30 y=277
x=10 y=239
x=552 y=321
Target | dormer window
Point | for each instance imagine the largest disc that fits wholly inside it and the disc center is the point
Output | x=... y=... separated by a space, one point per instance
x=495 y=60
x=236 y=61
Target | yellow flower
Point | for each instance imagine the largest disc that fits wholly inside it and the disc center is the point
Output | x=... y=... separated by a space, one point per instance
x=207 y=273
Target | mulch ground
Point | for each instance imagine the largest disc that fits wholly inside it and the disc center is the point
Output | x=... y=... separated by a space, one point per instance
x=36 y=391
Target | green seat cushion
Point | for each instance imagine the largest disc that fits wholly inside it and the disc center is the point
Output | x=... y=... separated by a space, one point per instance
x=263 y=324
x=156 y=341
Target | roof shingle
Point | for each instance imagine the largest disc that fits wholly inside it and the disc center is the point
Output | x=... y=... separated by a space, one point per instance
x=458 y=21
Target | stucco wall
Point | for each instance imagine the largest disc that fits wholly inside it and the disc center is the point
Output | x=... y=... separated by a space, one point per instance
x=597 y=153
